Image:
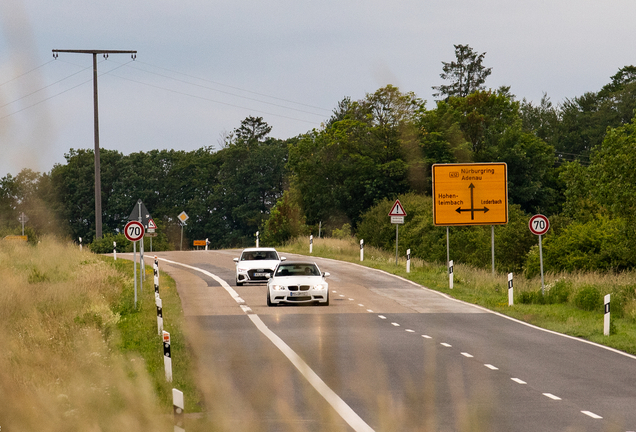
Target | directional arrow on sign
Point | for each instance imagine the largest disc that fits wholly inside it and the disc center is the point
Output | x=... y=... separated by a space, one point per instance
x=472 y=208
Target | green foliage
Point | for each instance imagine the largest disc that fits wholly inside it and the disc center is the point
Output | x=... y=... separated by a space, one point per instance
x=466 y=75
x=588 y=298
x=342 y=233
x=286 y=221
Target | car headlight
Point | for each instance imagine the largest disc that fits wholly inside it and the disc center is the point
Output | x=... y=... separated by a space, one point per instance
x=319 y=287
x=242 y=270
x=278 y=287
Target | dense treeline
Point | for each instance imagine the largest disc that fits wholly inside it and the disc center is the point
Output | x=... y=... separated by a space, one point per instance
x=574 y=161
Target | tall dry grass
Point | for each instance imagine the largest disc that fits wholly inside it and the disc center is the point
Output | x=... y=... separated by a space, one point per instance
x=59 y=368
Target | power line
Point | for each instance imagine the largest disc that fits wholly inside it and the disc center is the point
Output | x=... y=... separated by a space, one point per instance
x=26 y=73
x=235 y=88
x=213 y=100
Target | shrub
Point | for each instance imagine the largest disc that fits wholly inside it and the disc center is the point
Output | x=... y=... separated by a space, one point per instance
x=342 y=233
x=588 y=298
x=559 y=292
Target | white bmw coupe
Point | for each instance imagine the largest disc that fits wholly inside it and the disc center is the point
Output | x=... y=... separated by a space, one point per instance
x=298 y=282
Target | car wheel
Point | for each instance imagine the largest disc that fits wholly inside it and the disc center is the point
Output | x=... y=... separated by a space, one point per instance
x=239 y=283
x=269 y=301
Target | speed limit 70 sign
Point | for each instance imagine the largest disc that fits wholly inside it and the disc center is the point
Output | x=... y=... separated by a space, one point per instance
x=134 y=231
x=539 y=224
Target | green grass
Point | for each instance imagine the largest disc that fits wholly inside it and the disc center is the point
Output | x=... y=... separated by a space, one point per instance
x=482 y=288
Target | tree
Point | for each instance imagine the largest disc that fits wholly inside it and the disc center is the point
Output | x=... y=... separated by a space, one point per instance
x=466 y=75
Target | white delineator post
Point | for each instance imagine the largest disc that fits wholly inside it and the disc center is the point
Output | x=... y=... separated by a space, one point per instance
x=80 y=239
x=511 y=300
x=178 y=407
x=115 y=250
x=408 y=260
x=155 y=269
x=167 y=356
x=606 y=317
x=311 y=244
x=207 y=243
x=450 y=274
x=361 y=250
x=257 y=238
x=159 y=304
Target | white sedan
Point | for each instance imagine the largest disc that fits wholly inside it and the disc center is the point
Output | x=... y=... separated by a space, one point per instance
x=298 y=282
x=256 y=265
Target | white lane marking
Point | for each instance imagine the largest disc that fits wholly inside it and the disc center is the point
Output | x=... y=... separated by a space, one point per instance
x=551 y=396
x=341 y=295
x=446 y=296
x=344 y=410
x=361 y=305
x=591 y=414
x=341 y=407
x=395 y=324
x=351 y=299
x=369 y=310
x=246 y=309
x=427 y=337
x=447 y=345
x=518 y=381
x=491 y=367
x=382 y=316
x=410 y=331
x=467 y=355
x=334 y=291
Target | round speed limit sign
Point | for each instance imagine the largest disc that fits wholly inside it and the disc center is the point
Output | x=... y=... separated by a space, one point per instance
x=134 y=231
x=539 y=224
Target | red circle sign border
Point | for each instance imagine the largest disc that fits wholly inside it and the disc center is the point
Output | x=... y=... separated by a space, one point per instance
x=537 y=232
x=133 y=239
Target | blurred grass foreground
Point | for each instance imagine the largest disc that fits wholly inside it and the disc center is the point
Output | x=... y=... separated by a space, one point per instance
x=60 y=368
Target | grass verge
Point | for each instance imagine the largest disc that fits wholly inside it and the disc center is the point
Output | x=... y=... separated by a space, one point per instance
x=565 y=314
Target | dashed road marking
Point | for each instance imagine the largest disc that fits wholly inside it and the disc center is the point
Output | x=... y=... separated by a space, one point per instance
x=410 y=331
x=591 y=414
x=465 y=354
x=426 y=337
x=369 y=310
x=518 y=381
x=395 y=324
x=447 y=345
x=361 y=305
x=491 y=367
x=381 y=316
x=551 y=396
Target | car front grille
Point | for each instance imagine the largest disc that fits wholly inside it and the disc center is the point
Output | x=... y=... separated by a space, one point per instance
x=298 y=287
x=298 y=299
x=259 y=278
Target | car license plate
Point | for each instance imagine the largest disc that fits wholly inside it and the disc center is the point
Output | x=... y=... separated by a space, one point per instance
x=298 y=294
x=260 y=274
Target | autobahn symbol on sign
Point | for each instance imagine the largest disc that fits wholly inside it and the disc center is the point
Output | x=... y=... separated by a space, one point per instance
x=134 y=231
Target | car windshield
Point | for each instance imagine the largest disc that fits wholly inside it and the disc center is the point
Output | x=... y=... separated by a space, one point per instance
x=297 y=270
x=259 y=255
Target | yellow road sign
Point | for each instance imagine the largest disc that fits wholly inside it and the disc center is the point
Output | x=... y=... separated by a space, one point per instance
x=470 y=194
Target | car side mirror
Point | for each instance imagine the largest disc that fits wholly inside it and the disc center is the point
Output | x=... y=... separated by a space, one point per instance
x=236 y=260
x=326 y=274
x=283 y=258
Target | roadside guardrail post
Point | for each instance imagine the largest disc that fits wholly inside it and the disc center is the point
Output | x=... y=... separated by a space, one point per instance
x=450 y=274
x=178 y=408
x=511 y=300
x=115 y=250
x=361 y=249
x=606 y=317
x=311 y=244
x=408 y=260
x=159 y=304
x=167 y=356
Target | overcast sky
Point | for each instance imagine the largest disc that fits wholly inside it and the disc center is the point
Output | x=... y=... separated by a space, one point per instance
x=203 y=66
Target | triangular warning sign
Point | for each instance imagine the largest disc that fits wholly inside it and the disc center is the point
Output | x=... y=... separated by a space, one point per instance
x=152 y=224
x=397 y=209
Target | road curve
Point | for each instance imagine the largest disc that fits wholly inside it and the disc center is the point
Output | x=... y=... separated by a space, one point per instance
x=400 y=357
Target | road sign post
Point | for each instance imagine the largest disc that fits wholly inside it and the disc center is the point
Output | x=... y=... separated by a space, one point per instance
x=397 y=215
x=134 y=230
x=539 y=225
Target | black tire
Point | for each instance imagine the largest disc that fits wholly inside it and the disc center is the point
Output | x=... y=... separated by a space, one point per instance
x=269 y=301
x=239 y=283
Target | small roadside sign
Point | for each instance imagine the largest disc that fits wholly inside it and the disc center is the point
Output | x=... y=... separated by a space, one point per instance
x=198 y=243
x=539 y=224
x=134 y=231
x=397 y=219
x=152 y=226
x=183 y=217
x=397 y=209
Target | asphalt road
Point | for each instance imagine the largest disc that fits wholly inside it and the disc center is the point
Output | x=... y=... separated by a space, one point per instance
x=387 y=355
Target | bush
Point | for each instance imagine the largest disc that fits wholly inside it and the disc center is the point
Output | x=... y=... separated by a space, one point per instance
x=588 y=298
x=342 y=233
x=559 y=292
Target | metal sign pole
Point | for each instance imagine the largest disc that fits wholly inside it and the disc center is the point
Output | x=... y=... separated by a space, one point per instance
x=447 y=245
x=492 y=238
x=541 y=260
x=135 y=270
x=397 y=227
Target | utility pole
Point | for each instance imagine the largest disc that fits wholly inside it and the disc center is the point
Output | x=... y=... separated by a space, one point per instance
x=98 y=179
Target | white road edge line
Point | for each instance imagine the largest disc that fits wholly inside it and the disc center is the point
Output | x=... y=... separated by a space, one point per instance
x=614 y=350
x=591 y=414
x=341 y=407
x=551 y=396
